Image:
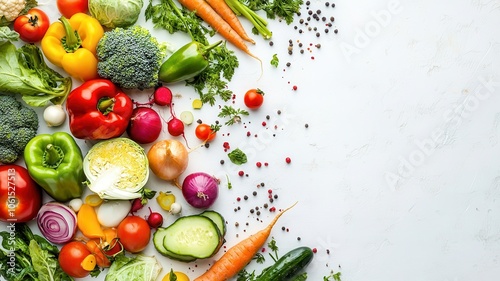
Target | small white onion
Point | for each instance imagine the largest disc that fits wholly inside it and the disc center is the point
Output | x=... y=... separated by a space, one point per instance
x=111 y=213
x=175 y=208
x=54 y=115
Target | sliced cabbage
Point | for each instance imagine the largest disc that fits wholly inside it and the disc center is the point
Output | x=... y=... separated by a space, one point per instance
x=116 y=169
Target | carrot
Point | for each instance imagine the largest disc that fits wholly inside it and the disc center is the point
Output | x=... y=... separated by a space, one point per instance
x=210 y=16
x=238 y=256
x=221 y=8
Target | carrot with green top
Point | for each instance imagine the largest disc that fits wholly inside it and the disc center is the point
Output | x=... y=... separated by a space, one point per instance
x=221 y=8
x=210 y=16
x=238 y=256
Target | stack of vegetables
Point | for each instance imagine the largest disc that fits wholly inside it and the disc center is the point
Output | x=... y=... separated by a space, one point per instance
x=98 y=44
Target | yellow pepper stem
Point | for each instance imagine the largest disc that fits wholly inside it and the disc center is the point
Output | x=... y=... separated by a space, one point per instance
x=72 y=41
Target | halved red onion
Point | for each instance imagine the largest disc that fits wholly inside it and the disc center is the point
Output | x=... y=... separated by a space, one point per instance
x=57 y=222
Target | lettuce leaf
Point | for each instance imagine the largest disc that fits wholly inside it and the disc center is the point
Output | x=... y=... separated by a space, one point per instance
x=138 y=268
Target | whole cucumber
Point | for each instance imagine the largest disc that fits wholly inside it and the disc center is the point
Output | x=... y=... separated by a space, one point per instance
x=288 y=265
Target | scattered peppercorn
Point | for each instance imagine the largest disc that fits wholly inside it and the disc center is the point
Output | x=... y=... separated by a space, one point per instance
x=288 y=160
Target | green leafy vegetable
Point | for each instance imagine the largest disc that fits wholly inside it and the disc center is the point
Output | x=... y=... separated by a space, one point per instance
x=275 y=60
x=116 y=13
x=237 y=156
x=137 y=268
x=28 y=257
x=283 y=9
x=233 y=114
x=333 y=276
x=7 y=35
x=23 y=71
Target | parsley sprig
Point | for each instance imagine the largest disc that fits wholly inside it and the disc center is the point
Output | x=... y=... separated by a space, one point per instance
x=233 y=114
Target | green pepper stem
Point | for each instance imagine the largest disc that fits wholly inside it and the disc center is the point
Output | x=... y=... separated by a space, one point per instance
x=72 y=41
x=53 y=156
x=208 y=48
x=105 y=105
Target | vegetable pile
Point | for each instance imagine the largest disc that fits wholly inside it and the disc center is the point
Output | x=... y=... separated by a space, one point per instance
x=84 y=189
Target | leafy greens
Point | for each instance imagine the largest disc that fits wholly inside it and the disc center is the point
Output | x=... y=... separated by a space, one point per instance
x=23 y=71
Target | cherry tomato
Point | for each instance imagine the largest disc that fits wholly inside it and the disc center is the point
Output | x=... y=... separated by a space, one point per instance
x=21 y=197
x=205 y=132
x=76 y=259
x=32 y=26
x=180 y=276
x=134 y=233
x=70 y=7
x=254 y=98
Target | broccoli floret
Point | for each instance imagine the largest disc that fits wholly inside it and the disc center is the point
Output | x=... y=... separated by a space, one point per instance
x=130 y=57
x=18 y=125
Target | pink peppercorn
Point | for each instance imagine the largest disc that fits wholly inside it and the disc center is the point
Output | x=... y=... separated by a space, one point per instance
x=288 y=160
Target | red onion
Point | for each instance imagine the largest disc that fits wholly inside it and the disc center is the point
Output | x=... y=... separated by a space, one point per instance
x=145 y=125
x=57 y=222
x=200 y=190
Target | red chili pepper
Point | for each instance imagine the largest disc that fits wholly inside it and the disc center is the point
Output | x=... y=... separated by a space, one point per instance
x=98 y=110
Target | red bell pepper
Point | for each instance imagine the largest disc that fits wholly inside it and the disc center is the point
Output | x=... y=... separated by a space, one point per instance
x=98 y=110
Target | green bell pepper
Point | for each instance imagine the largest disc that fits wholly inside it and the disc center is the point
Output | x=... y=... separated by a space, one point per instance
x=55 y=162
x=185 y=63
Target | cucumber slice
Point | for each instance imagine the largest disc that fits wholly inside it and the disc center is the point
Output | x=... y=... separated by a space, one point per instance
x=217 y=218
x=158 y=238
x=195 y=236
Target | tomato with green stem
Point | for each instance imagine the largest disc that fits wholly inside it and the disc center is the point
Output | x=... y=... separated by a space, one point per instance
x=70 y=7
x=32 y=26
x=206 y=132
x=254 y=98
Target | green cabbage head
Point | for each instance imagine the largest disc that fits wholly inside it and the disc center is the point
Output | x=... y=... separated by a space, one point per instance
x=116 y=13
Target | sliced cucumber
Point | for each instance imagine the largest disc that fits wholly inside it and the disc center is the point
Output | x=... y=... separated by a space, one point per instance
x=195 y=236
x=158 y=238
x=217 y=218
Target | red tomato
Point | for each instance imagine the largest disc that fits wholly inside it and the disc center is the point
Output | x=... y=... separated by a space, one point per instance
x=134 y=233
x=205 y=132
x=254 y=98
x=21 y=197
x=70 y=7
x=71 y=257
x=32 y=26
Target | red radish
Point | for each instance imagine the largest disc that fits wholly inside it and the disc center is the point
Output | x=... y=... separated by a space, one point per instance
x=162 y=96
x=176 y=128
x=145 y=125
x=137 y=204
x=155 y=219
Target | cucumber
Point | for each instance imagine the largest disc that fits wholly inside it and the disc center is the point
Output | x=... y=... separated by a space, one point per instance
x=217 y=218
x=194 y=236
x=288 y=265
x=158 y=238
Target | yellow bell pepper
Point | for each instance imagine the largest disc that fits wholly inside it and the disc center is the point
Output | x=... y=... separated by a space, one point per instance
x=72 y=44
x=88 y=223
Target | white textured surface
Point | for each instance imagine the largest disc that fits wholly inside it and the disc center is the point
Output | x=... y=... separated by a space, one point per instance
x=398 y=174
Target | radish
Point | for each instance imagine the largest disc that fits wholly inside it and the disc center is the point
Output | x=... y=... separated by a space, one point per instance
x=155 y=219
x=162 y=96
x=175 y=127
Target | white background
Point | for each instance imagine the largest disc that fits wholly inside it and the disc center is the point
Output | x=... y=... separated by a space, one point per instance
x=397 y=174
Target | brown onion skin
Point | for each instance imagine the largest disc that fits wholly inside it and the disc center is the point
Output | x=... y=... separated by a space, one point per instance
x=168 y=159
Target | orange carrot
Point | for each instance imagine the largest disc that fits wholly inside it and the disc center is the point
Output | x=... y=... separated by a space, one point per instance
x=221 y=8
x=208 y=14
x=238 y=256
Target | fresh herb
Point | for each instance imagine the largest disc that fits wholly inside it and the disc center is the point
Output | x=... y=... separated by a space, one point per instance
x=213 y=81
x=244 y=275
x=229 y=184
x=233 y=114
x=168 y=16
x=28 y=257
x=24 y=72
x=283 y=9
x=274 y=249
x=333 y=276
x=275 y=61
x=237 y=156
x=259 y=258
